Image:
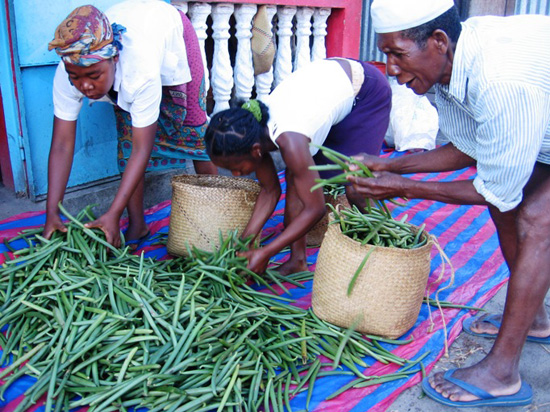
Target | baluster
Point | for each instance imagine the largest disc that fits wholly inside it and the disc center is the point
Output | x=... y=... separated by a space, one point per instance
x=265 y=80
x=283 y=66
x=319 y=50
x=180 y=5
x=222 y=72
x=244 y=70
x=303 y=33
x=198 y=13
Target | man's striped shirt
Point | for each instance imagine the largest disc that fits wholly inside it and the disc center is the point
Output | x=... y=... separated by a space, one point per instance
x=496 y=108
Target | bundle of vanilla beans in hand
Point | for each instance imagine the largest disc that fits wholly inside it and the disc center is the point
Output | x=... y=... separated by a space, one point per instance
x=375 y=225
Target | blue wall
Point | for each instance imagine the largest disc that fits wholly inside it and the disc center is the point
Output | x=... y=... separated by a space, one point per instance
x=36 y=21
x=95 y=149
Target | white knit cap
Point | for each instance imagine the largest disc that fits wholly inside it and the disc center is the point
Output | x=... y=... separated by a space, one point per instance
x=395 y=15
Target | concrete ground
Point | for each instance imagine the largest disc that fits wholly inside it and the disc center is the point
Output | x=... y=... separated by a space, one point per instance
x=157 y=189
x=466 y=350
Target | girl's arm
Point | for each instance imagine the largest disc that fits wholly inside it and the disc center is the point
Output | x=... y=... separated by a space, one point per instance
x=270 y=192
x=309 y=206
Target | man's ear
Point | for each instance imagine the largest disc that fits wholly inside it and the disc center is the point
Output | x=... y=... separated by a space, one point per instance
x=441 y=40
x=115 y=59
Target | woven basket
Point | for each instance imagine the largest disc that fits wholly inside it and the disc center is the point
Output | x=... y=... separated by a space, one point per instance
x=316 y=234
x=204 y=205
x=387 y=294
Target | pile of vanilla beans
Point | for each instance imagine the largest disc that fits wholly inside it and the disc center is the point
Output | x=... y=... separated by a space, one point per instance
x=101 y=327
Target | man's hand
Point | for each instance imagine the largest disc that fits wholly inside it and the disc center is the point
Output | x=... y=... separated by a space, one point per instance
x=374 y=163
x=383 y=185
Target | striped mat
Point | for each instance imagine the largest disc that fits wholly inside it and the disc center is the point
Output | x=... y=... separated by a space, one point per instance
x=465 y=233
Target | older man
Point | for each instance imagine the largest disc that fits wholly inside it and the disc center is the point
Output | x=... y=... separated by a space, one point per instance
x=492 y=88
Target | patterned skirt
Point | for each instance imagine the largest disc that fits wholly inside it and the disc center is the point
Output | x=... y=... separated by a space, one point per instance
x=182 y=120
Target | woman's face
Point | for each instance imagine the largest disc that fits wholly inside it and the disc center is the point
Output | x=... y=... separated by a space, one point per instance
x=238 y=165
x=93 y=81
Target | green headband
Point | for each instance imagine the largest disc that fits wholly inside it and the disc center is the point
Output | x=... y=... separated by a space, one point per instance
x=253 y=106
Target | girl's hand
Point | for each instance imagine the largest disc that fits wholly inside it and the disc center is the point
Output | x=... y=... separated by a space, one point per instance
x=257 y=260
x=110 y=226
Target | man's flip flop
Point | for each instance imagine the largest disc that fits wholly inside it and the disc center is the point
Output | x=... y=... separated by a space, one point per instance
x=523 y=397
x=467 y=327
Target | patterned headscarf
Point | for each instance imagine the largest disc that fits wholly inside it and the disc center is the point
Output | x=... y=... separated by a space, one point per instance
x=85 y=37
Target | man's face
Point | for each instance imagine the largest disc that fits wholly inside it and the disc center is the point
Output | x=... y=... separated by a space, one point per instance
x=417 y=68
x=93 y=81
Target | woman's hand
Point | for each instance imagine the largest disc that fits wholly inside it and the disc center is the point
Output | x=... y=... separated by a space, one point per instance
x=53 y=223
x=257 y=260
x=109 y=224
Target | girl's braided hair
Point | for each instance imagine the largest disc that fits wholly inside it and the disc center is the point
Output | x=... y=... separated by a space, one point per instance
x=234 y=131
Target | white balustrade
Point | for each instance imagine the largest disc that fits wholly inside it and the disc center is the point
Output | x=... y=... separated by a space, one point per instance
x=198 y=13
x=319 y=50
x=297 y=44
x=244 y=69
x=303 y=34
x=265 y=80
x=283 y=65
x=222 y=72
x=181 y=5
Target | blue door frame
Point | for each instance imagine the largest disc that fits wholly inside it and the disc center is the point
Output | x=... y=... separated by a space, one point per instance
x=12 y=106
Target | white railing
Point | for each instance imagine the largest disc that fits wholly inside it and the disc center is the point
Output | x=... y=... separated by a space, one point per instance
x=300 y=33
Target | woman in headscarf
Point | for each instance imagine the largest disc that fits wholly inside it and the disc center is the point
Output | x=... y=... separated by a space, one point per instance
x=144 y=58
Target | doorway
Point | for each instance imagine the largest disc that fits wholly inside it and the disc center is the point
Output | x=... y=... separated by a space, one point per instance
x=6 y=175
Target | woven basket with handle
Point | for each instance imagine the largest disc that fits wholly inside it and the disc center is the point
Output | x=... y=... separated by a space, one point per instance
x=387 y=295
x=204 y=205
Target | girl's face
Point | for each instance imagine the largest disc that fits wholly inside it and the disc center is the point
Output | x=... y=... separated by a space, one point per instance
x=93 y=81
x=238 y=165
